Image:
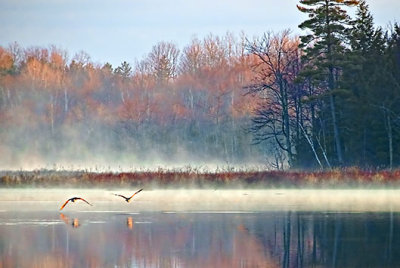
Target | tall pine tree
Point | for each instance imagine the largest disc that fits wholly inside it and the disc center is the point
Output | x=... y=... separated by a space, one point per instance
x=324 y=49
x=360 y=75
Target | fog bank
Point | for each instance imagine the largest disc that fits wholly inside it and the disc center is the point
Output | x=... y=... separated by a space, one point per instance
x=184 y=200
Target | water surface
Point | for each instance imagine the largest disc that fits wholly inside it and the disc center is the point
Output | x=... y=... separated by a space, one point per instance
x=200 y=228
x=185 y=239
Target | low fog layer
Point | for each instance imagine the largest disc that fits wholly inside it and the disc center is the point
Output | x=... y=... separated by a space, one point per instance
x=126 y=146
x=201 y=200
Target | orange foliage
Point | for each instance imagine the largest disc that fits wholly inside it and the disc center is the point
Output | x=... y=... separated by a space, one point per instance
x=6 y=59
x=179 y=110
x=132 y=110
x=202 y=85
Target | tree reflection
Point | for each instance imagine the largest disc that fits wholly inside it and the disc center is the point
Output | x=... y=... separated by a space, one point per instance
x=291 y=239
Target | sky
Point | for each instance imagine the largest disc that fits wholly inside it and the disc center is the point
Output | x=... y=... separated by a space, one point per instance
x=125 y=30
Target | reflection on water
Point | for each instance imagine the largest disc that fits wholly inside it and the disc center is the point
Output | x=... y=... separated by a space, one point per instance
x=74 y=222
x=276 y=239
x=129 y=222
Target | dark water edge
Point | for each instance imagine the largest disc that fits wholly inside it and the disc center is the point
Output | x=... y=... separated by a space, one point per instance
x=201 y=239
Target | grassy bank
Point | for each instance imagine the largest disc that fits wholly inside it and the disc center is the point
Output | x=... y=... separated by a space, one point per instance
x=189 y=177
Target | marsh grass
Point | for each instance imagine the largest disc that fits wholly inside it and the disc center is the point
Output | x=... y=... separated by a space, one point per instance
x=203 y=178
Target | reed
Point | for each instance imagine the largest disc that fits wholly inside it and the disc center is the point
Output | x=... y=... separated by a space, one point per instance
x=203 y=178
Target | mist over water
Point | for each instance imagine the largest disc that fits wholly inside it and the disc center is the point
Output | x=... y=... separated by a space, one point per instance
x=199 y=228
x=206 y=200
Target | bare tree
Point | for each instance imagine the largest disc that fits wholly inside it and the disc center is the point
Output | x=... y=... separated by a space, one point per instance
x=276 y=54
x=163 y=61
x=191 y=59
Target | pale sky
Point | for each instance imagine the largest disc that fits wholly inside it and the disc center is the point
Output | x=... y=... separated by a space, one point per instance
x=124 y=30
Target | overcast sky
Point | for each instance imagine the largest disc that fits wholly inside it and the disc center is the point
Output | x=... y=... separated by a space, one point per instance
x=124 y=30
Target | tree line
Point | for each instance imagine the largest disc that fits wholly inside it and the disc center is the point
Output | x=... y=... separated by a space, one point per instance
x=325 y=99
x=332 y=96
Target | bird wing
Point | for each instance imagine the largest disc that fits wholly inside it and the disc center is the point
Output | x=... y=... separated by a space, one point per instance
x=66 y=202
x=85 y=201
x=134 y=194
x=121 y=196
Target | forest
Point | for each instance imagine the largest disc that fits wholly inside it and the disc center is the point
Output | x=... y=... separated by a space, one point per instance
x=172 y=106
x=327 y=98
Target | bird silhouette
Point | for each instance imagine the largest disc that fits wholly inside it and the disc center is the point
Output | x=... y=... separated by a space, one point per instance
x=73 y=199
x=128 y=199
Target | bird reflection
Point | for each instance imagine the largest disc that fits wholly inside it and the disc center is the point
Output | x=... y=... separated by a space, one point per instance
x=242 y=228
x=129 y=222
x=64 y=218
x=75 y=221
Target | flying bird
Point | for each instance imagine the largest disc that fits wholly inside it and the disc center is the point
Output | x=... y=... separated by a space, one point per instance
x=128 y=199
x=73 y=199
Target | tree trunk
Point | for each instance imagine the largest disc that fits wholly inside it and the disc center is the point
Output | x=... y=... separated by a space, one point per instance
x=65 y=101
x=52 y=114
x=390 y=139
x=331 y=85
x=311 y=145
x=336 y=130
x=285 y=115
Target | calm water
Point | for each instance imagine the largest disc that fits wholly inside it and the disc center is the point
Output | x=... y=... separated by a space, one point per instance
x=168 y=239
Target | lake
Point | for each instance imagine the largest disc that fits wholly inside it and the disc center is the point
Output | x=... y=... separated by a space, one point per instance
x=146 y=233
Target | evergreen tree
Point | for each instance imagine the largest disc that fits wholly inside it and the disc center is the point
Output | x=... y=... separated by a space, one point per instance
x=324 y=49
x=360 y=76
x=387 y=97
x=125 y=70
x=371 y=112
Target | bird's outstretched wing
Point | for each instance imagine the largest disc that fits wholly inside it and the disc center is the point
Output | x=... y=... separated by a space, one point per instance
x=66 y=202
x=134 y=194
x=85 y=201
x=121 y=196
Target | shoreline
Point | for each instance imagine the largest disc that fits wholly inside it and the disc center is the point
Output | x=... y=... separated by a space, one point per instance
x=195 y=178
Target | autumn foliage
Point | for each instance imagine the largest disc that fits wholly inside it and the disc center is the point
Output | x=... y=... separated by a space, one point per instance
x=171 y=101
